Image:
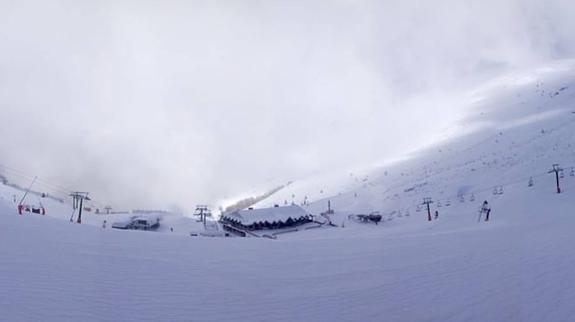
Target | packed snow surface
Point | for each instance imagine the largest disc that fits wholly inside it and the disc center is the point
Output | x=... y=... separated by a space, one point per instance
x=516 y=267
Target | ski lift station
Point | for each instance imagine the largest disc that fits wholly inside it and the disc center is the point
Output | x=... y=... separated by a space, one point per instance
x=267 y=218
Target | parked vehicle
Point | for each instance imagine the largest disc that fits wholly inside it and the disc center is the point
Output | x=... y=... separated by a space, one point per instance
x=139 y=223
x=374 y=217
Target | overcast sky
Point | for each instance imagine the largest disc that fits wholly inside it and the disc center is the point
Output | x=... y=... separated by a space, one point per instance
x=173 y=103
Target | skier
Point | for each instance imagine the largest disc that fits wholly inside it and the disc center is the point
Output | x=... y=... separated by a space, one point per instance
x=436 y=214
x=485 y=209
x=104 y=224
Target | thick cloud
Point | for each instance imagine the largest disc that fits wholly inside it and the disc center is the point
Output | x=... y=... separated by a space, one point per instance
x=161 y=103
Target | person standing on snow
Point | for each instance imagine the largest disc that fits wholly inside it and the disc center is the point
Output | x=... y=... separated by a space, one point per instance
x=485 y=209
x=487 y=214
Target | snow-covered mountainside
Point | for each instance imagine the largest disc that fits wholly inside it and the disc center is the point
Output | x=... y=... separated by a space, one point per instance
x=516 y=128
x=515 y=267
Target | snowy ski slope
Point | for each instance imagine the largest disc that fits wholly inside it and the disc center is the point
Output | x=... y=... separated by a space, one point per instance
x=517 y=127
x=517 y=267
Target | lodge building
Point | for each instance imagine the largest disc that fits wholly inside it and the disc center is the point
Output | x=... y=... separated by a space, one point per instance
x=267 y=218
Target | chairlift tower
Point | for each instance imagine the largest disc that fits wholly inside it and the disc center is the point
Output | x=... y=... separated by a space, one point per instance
x=427 y=201
x=78 y=202
x=203 y=211
x=556 y=169
x=330 y=211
